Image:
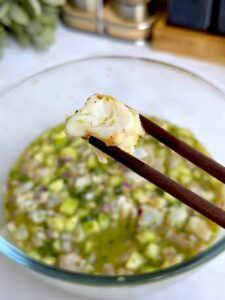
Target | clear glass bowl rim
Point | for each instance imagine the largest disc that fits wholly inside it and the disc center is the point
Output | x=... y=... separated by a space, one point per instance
x=19 y=257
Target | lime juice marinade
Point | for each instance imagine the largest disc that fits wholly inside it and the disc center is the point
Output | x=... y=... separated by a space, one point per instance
x=64 y=208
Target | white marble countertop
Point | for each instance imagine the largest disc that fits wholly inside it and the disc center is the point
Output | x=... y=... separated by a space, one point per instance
x=15 y=283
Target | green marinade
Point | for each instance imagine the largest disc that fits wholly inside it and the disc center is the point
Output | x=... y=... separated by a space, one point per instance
x=64 y=208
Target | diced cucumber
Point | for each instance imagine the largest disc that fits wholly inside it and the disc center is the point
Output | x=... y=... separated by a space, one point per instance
x=51 y=160
x=159 y=191
x=46 y=134
x=77 y=142
x=185 y=179
x=173 y=173
x=152 y=251
x=149 y=186
x=57 y=246
x=197 y=174
x=34 y=254
x=103 y=220
x=71 y=223
x=83 y=212
x=146 y=237
x=46 y=180
x=147 y=269
x=39 y=156
x=56 y=186
x=184 y=170
x=170 y=198
x=68 y=206
x=59 y=135
x=69 y=152
x=115 y=181
x=64 y=194
x=46 y=149
x=88 y=246
x=57 y=223
x=60 y=143
x=161 y=152
x=23 y=178
x=183 y=132
x=185 y=175
x=79 y=234
x=59 y=140
x=138 y=194
x=34 y=149
x=92 y=162
x=91 y=226
x=49 y=260
x=135 y=261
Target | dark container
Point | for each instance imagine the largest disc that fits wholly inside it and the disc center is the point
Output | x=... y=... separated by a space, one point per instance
x=221 y=17
x=190 y=13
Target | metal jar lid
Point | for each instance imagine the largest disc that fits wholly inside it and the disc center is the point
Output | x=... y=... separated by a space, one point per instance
x=132 y=10
x=133 y=2
x=85 y=5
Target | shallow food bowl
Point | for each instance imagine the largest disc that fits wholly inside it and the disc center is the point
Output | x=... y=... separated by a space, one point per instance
x=166 y=91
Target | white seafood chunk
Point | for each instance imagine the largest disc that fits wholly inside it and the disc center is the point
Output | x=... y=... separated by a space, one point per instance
x=74 y=262
x=177 y=216
x=109 y=120
x=200 y=228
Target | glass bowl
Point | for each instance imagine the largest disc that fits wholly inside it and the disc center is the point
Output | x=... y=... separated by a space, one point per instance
x=44 y=99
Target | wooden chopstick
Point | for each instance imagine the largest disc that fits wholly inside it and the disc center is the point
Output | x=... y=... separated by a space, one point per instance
x=191 y=199
x=197 y=158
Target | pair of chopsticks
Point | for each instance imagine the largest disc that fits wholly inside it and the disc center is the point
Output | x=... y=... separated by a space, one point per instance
x=183 y=194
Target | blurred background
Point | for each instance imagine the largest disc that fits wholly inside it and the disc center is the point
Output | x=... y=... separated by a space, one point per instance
x=35 y=34
x=195 y=24
x=186 y=27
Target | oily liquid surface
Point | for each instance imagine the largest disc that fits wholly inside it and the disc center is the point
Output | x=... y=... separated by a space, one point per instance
x=64 y=208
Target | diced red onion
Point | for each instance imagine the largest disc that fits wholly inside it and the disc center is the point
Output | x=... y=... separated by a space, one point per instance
x=107 y=207
x=126 y=186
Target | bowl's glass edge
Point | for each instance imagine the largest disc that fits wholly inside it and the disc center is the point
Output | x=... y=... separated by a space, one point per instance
x=19 y=257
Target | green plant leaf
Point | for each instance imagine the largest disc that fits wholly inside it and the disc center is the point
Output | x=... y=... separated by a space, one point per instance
x=54 y=2
x=33 y=28
x=44 y=39
x=33 y=7
x=6 y=21
x=18 y=15
x=4 y=8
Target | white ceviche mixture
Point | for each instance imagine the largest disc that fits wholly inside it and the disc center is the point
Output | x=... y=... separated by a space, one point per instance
x=109 y=120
